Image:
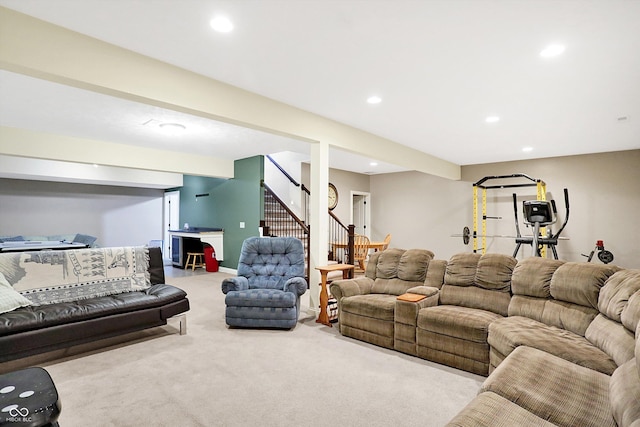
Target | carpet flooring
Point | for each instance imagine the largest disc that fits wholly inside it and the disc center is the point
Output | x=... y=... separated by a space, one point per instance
x=216 y=376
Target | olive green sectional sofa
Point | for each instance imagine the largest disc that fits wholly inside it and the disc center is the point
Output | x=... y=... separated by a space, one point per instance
x=559 y=341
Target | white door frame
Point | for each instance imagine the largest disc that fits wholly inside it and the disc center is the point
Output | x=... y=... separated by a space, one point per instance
x=367 y=210
x=171 y=220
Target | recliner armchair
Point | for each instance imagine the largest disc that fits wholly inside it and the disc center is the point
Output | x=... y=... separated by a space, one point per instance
x=266 y=293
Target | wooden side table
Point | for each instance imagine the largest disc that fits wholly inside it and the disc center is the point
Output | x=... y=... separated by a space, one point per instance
x=324 y=296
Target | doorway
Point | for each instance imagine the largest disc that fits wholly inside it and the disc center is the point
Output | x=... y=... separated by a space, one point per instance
x=171 y=221
x=361 y=213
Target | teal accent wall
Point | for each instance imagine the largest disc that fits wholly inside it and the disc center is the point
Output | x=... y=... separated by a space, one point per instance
x=230 y=201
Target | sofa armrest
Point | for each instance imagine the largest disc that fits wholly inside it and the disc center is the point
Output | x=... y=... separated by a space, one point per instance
x=407 y=312
x=350 y=287
x=423 y=290
x=239 y=283
x=296 y=285
x=431 y=293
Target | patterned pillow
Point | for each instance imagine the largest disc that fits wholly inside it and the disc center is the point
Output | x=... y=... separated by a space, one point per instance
x=9 y=298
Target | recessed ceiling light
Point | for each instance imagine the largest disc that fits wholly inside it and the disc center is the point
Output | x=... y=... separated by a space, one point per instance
x=95 y=165
x=221 y=24
x=492 y=119
x=527 y=149
x=373 y=164
x=552 y=50
x=374 y=99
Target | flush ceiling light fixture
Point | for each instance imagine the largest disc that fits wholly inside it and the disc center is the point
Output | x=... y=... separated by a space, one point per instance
x=552 y=50
x=172 y=127
x=492 y=119
x=527 y=149
x=374 y=99
x=373 y=164
x=221 y=24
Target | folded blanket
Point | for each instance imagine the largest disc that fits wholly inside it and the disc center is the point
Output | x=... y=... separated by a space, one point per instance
x=48 y=277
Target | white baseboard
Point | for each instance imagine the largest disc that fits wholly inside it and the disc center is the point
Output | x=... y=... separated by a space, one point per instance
x=228 y=270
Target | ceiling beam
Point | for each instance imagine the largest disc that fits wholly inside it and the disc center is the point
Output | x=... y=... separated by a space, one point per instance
x=39 y=49
x=47 y=146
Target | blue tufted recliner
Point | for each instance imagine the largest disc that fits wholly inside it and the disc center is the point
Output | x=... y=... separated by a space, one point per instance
x=266 y=293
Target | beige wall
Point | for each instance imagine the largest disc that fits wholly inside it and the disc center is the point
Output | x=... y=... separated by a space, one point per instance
x=604 y=196
x=345 y=183
x=422 y=211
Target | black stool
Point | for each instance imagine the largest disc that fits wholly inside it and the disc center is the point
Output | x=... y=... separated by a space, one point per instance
x=28 y=398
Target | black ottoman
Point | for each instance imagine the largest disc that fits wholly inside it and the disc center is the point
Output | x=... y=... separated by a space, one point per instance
x=28 y=398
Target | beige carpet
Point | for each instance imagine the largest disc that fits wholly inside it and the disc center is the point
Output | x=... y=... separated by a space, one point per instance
x=215 y=376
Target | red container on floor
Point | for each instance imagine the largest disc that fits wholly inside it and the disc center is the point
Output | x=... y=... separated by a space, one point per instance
x=210 y=261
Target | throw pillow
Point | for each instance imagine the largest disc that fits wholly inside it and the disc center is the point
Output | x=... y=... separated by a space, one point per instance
x=83 y=238
x=9 y=298
x=13 y=239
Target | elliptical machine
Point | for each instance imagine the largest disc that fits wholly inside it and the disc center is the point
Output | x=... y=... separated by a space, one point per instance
x=539 y=213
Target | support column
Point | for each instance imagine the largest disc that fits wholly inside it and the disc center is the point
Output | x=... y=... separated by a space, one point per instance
x=319 y=219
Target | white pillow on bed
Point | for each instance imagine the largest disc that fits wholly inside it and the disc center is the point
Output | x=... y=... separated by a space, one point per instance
x=9 y=298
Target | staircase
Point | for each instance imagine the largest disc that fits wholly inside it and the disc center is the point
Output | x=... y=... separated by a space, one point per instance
x=279 y=220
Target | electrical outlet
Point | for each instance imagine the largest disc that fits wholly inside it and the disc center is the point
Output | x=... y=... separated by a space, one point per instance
x=241 y=224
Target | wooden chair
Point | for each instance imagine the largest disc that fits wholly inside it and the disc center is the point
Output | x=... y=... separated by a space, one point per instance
x=360 y=250
x=386 y=241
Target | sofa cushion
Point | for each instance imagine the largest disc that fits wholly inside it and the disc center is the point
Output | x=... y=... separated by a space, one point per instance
x=413 y=265
x=553 y=388
x=615 y=294
x=377 y=306
x=399 y=270
x=479 y=281
x=506 y=334
x=387 y=265
x=261 y=298
x=561 y=314
x=625 y=394
x=491 y=409
x=494 y=272
x=393 y=287
x=580 y=282
x=38 y=317
x=474 y=297
x=612 y=338
x=460 y=322
x=630 y=316
x=532 y=277
x=461 y=269
x=435 y=273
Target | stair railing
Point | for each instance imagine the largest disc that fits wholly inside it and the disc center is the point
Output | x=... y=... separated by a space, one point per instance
x=338 y=232
x=279 y=220
x=305 y=193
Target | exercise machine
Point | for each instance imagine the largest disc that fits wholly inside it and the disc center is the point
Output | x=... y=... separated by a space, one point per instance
x=512 y=181
x=540 y=214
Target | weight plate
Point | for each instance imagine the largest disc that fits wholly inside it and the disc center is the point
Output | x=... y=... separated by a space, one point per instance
x=605 y=256
x=465 y=235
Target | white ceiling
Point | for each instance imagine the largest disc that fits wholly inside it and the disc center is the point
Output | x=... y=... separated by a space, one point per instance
x=440 y=66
